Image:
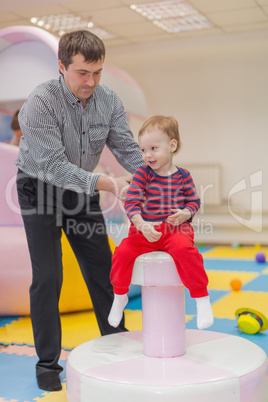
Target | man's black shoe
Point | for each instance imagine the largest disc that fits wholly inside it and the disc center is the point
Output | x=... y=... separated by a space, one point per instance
x=49 y=381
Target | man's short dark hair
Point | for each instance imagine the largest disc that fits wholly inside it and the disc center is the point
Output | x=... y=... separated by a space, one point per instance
x=83 y=42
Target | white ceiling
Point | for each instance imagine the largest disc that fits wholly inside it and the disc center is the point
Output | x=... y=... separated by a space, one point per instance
x=115 y=16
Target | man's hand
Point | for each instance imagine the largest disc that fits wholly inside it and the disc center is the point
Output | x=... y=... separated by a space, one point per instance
x=179 y=216
x=116 y=185
x=121 y=186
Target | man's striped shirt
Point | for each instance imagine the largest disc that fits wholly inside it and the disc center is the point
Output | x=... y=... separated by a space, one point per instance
x=158 y=194
x=62 y=141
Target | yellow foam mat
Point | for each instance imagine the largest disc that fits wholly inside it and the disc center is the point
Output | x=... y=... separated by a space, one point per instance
x=235 y=253
x=188 y=317
x=77 y=328
x=18 y=331
x=227 y=305
x=220 y=280
x=133 y=320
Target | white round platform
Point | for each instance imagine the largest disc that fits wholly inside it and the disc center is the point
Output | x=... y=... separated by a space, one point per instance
x=215 y=367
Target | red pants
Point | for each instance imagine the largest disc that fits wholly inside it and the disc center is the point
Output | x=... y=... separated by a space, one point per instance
x=178 y=241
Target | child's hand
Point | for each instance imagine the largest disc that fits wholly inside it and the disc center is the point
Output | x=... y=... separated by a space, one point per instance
x=149 y=232
x=179 y=216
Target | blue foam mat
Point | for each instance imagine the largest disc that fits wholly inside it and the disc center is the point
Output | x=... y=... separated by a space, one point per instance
x=18 y=381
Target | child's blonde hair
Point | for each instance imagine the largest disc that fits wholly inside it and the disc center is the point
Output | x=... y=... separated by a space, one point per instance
x=166 y=124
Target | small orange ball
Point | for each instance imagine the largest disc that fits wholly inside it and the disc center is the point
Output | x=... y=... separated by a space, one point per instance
x=236 y=284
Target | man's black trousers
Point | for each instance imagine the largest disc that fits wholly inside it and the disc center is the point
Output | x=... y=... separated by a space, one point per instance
x=46 y=211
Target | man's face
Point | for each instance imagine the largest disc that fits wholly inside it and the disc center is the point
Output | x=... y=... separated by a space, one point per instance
x=82 y=77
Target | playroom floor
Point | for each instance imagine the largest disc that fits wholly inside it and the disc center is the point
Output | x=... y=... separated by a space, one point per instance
x=17 y=354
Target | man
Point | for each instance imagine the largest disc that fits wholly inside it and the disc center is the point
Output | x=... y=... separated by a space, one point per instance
x=65 y=125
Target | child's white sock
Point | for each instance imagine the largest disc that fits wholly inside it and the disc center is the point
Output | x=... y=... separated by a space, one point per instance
x=116 y=313
x=204 y=312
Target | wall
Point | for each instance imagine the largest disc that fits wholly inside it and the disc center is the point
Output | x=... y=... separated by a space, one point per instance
x=217 y=88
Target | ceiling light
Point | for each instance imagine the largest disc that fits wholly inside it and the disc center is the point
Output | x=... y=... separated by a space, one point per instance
x=175 y=25
x=173 y=15
x=62 y=23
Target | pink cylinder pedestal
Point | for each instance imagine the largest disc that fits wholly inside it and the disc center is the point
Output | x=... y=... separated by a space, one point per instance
x=163 y=305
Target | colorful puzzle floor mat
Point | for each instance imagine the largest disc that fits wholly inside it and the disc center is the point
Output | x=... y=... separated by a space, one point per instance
x=17 y=353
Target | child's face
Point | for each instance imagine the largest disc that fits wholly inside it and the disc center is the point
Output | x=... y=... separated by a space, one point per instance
x=157 y=151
